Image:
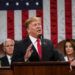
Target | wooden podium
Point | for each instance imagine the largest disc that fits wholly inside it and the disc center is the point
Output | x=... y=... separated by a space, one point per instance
x=42 y=68
x=6 y=71
x=38 y=68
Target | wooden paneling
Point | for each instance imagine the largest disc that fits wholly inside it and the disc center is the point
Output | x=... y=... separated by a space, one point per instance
x=6 y=71
x=38 y=68
x=42 y=68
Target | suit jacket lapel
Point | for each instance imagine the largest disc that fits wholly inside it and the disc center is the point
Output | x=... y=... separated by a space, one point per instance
x=34 y=55
x=5 y=61
x=45 y=53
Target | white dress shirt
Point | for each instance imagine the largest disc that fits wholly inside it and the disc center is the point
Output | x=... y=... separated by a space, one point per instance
x=9 y=59
x=66 y=58
x=34 y=42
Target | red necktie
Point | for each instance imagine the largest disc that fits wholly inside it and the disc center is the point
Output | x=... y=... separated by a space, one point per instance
x=39 y=48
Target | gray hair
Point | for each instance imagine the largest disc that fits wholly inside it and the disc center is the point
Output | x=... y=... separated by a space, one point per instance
x=4 y=43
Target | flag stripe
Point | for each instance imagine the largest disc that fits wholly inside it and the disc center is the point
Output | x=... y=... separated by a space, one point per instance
x=24 y=17
x=73 y=19
x=32 y=13
x=17 y=25
x=10 y=24
x=61 y=20
x=3 y=26
x=46 y=19
x=53 y=14
x=68 y=19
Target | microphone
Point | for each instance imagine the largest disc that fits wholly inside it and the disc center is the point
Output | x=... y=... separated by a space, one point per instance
x=43 y=41
x=40 y=36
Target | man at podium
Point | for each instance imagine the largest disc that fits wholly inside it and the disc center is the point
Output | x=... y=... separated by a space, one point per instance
x=34 y=47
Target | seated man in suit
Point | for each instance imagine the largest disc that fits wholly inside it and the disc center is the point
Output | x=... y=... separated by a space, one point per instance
x=8 y=47
x=34 y=47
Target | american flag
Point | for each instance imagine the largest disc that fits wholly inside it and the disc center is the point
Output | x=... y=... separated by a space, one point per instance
x=58 y=18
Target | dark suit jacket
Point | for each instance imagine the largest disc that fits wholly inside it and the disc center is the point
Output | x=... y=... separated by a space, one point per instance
x=4 y=61
x=49 y=53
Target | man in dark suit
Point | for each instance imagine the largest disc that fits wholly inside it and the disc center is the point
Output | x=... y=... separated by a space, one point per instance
x=27 y=49
x=8 y=49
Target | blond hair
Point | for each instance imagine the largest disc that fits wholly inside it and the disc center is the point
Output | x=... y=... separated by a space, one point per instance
x=32 y=19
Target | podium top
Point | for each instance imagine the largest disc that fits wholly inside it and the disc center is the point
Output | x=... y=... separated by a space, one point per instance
x=42 y=63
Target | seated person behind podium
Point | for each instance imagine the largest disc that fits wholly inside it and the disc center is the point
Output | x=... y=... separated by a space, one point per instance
x=27 y=49
x=69 y=50
x=8 y=47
